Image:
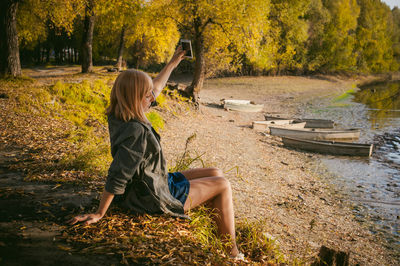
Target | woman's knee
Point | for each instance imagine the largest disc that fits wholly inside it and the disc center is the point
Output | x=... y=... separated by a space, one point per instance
x=216 y=172
x=224 y=183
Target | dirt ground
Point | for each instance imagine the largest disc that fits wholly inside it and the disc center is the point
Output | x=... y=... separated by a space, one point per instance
x=277 y=186
x=271 y=184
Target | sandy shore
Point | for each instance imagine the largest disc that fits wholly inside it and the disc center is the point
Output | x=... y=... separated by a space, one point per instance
x=277 y=186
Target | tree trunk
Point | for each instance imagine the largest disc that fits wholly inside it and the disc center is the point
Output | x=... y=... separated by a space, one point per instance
x=199 y=67
x=9 y=54
x=87 y=39
x=75 y=56
x=121 y=48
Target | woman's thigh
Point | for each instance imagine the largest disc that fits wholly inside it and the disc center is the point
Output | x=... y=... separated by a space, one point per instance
x=202 y=172
x=204 y=189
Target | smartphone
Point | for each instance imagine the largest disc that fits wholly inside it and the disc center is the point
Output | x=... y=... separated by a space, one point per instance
x=187 y=46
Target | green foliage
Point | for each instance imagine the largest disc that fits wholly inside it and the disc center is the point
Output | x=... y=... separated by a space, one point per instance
x=149 y=35
x=396 y=35
x=156 y=120
x=87 y=102
x=93 y=155
x=257 y=245
x=374 y=40
x=344 y=96
x=290 y=29
x=272 y=36
x=205 y=229
x=336 y=52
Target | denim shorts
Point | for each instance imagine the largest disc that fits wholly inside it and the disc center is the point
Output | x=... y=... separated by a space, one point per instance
x=178 y=186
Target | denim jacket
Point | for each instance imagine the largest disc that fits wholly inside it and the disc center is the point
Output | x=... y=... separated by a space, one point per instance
x=138 y=175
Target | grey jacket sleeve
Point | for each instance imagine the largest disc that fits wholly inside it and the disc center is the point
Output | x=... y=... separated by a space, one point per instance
x=127 y=159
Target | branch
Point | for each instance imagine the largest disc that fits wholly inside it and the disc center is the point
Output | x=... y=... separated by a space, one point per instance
x=182 y=26
x=205 y=25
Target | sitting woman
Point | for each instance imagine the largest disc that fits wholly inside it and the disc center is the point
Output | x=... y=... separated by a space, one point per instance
x=138 y=177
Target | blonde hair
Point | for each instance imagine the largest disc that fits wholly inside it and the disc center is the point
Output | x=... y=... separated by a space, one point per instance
x=129 y=89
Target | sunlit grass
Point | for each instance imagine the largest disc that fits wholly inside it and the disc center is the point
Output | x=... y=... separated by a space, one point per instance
x=344 y=96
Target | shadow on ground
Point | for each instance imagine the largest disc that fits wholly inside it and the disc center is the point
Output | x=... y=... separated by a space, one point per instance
x=32 y=218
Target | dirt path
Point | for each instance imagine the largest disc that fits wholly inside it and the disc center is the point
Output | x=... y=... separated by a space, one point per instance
x=276 y=186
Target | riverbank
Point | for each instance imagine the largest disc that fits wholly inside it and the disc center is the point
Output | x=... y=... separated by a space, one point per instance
x=275 y=185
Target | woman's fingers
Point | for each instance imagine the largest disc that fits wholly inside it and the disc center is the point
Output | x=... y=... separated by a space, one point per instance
x=91 y=220
x=79 y=218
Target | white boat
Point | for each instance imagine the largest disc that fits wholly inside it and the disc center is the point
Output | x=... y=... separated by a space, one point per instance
x=242 y=106
x=266 y=127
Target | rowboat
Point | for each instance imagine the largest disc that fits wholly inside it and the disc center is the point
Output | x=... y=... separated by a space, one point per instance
x=264 y=125
x=310 y=122
x=242 y=105
x=329 y=147
x=315 y=134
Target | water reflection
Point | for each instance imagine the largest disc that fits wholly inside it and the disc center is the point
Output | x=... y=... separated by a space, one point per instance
x=372 y=184
x=382 y=101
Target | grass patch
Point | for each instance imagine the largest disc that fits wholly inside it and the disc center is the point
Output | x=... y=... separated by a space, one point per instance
x=344 y=96
x=156 y=120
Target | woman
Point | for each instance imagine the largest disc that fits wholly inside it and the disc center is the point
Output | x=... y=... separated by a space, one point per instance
x=138 y=177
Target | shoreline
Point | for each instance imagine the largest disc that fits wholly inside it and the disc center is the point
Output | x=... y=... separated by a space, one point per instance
x=300 y=209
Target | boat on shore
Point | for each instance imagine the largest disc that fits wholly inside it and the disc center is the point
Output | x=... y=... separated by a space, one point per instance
x=242 y=106
x=310 y=122
x=316 y=134
x=329 y=147
x=264 y=125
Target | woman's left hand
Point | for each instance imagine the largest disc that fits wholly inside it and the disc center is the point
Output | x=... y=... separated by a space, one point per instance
x=85 y=218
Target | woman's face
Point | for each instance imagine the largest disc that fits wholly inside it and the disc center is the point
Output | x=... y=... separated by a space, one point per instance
x=147 y=100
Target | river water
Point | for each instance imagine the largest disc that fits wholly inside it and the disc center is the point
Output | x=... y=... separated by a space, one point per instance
x=373 y=184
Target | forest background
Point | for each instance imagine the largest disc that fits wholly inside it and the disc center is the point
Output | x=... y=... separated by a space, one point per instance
x=236 y=37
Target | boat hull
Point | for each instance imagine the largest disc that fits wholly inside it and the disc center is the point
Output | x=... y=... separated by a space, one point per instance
x=329 y=147
x=310 y=123
x=315 y=134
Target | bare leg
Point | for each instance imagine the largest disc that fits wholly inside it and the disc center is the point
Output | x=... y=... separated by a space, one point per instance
x=202 y=172
x=217 y=191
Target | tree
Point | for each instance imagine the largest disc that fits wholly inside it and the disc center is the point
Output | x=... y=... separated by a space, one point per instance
x=396 y=35
x=220 y=30
x=27 y=23
x=9 y=54
x=374 y=37
x=138 y=29
x=318 y=17
x=87 y=37
x=290 y=29
x=338 y=39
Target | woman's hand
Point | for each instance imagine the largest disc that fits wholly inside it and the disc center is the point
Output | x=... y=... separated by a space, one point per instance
x=85 y=218
x=177 y=57
x=161 y=79
x=106 y=199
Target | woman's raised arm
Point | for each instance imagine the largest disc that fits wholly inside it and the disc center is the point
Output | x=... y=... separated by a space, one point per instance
x=162 y=78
